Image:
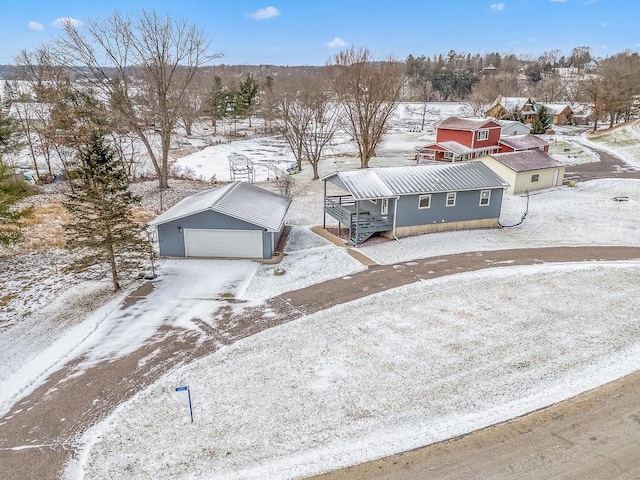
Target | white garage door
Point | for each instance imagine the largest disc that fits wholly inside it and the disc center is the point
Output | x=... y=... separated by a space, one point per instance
x=223 y=243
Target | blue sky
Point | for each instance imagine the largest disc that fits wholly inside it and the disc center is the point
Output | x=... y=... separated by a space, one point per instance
x=308 y=32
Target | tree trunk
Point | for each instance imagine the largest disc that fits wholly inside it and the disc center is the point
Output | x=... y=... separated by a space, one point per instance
x=112 y=263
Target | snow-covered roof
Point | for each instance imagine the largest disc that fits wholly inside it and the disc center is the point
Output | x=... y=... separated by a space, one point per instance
x=507 y=124
x=510 y=103
x=239 y=200
x=473 y=124
x=523 y=142
x=527 y=160
x=554 y=108
x=384 y=182
x=452 y=146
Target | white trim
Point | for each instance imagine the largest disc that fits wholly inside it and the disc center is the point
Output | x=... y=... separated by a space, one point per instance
x=429 y=202
x=488 y=198
x=485 y=132
x=446 y=202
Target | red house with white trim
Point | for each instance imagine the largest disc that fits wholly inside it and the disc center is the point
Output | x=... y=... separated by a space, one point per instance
x=459 y=139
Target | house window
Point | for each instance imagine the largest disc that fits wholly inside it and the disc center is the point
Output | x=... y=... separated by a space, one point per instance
x=448 y=154
x=535 y=178
x=451 y=199
x=424 y=201
x=485 y=197
x=483 y=134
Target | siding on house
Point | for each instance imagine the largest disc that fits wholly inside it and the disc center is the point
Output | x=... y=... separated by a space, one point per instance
x=518 y=168
x=467 y=208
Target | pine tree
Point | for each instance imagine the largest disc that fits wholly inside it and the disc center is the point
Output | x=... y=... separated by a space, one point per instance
x=102 y=229
x=248 y=92
x=11 y=190
x=541 y=121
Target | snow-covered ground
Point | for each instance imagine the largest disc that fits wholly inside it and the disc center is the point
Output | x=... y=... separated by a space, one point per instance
x=349 y=384
x=380 y=375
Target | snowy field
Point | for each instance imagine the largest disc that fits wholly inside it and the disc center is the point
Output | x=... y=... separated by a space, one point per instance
x=349 y=384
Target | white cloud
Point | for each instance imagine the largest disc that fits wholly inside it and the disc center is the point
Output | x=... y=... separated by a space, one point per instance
x=336 y=43
x=497 y=7
x=62 y=21
x=35 y=26
x=265 y=13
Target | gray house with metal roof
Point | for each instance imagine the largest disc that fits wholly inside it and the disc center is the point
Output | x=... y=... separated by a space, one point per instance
x=400 y=201
x=238 y=220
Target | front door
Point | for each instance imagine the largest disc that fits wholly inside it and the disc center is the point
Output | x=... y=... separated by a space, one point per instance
x=384 y=206
x=556 y=174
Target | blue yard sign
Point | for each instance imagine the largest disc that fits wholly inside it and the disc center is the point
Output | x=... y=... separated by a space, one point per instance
x=182 y=389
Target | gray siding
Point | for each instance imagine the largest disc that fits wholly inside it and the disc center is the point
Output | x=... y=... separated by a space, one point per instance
x=467 y=207
x=171 y=240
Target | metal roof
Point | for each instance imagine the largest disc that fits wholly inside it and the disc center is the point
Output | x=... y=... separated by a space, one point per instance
x=239 y=200
x=396 y=181
x=523 y=142
x=527 y=160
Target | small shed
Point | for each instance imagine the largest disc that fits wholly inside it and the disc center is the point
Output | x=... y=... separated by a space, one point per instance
x=400 y=201
x=238 y=220
x=527 y=141
x=526 y=170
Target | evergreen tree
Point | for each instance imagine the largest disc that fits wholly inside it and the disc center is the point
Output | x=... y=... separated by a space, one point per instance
x=248 y=91
x=102 y=228
x=11 y=190
x=541 y=122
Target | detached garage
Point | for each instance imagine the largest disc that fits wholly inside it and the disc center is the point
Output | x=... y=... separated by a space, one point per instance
x=238 y=220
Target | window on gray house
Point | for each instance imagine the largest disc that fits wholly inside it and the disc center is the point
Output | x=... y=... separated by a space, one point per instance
x=485 y=197
x=424 y=201
x=451 y=199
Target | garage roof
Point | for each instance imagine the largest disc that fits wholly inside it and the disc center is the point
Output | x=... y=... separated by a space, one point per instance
x=239 y=200
x=527 y=160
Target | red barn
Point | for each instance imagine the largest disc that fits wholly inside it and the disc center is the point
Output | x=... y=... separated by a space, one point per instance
x=460 y=139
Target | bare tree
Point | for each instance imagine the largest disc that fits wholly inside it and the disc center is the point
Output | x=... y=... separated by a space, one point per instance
x=291 y=120
x=142 y=66
x=592 y=91
x=550 y=89
x=620 y=75
x=369 y=91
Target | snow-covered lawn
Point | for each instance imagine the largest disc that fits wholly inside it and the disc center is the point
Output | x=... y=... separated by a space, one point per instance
x=623 y=141
x=564 y=216
x=384 y=374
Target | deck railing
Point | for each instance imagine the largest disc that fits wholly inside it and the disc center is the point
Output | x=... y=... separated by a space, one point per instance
x=362 y=224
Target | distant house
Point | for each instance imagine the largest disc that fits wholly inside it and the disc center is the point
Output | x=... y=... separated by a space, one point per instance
x=400 y=201
x=560 y=113
x=459 y=139
x=526 y=170
x=503 y=106
x=513 y=127
x=516 y=143
x=238 y=220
